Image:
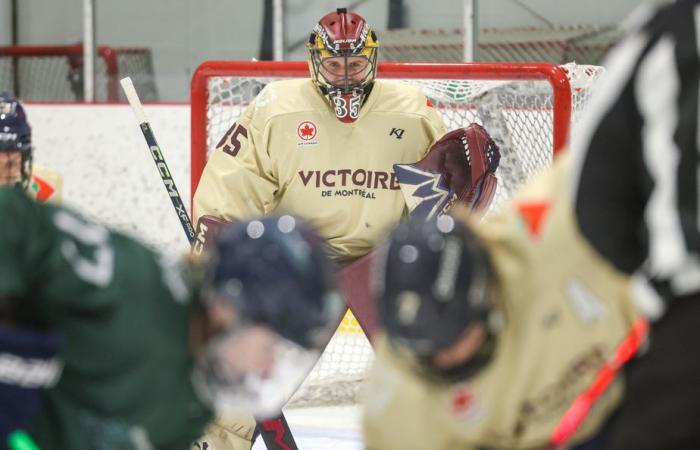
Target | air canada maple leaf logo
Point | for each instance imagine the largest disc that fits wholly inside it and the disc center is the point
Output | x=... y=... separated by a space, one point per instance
x=307 y=131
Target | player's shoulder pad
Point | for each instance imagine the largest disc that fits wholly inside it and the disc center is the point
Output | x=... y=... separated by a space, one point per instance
x=396 y=96
x=285 y=96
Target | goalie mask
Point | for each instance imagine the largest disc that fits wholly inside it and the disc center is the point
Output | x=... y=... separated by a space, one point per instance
x=343 y=61
x=15 y=143
x=434 y=284
x=277 y=304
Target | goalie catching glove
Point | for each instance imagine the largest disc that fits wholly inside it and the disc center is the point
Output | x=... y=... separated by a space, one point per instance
x=460 y=167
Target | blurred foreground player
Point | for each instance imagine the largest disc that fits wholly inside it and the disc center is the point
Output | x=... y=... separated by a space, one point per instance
x=147 y=360
x=16 y=155
x=494 y=329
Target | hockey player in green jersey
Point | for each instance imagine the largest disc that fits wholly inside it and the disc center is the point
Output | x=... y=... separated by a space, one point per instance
x=16 y=155
x=493 y=330
x=146 y=359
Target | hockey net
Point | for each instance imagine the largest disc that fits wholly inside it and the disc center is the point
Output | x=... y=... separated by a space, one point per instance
x=55 y=73
x=528 y=109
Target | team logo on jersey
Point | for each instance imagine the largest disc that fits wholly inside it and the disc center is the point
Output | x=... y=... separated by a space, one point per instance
x=465 y=406
x=397 y=133
x=306 y=131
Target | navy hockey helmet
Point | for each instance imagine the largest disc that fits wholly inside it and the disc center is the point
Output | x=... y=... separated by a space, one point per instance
x=433 y=285
x=15 y=137
x=276 y=272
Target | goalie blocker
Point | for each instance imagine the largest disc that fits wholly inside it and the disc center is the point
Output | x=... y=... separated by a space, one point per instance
x=208 y=227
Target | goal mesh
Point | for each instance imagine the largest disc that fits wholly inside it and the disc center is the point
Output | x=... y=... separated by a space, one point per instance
x=527 y=108
x=55 y=73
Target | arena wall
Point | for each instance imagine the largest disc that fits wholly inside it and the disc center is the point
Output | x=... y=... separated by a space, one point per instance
x=107 y=168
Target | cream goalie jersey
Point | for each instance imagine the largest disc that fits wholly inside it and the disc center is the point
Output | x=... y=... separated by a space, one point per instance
x=289 y=153
x=565 y=310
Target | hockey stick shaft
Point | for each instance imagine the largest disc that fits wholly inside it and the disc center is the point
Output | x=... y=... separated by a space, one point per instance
x=157 y=155
x=275 y=432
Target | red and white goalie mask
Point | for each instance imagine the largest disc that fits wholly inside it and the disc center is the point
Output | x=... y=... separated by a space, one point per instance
x=343 y=61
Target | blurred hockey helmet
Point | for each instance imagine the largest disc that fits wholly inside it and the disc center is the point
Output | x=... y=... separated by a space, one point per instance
x=434 y=282
x=275 y=276
x=15 y=143
x=342 y=52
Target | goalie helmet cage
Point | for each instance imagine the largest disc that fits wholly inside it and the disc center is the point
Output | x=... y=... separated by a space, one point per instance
x=53 y=73
x=528 y=109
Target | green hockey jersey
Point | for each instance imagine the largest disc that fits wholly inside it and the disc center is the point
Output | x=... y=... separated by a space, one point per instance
x=124 y=313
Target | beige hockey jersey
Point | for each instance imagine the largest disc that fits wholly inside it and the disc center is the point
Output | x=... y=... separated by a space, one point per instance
x=289 y=154
x=565 y=311
x=45 y=185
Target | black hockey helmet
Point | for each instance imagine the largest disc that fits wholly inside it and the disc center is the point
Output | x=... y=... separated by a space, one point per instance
x=433 y=285
x=276 y=272
x=15 y=137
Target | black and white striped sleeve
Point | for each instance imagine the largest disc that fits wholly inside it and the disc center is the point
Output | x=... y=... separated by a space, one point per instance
x=636 y=157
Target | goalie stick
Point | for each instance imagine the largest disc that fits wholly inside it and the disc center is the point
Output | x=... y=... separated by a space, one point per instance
x=275 y=432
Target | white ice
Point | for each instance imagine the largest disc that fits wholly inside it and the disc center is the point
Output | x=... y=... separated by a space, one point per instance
x=336 y=428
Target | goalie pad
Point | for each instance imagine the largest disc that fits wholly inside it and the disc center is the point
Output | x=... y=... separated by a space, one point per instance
x=459 y=167
x=356 y=288
x=208 y=227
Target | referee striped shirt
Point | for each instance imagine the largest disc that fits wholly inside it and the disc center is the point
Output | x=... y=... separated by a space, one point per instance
x=636 y=158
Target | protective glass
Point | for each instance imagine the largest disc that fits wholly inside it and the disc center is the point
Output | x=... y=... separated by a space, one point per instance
x=252 y=370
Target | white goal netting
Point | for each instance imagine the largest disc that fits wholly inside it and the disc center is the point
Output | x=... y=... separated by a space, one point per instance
x=528 y=114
